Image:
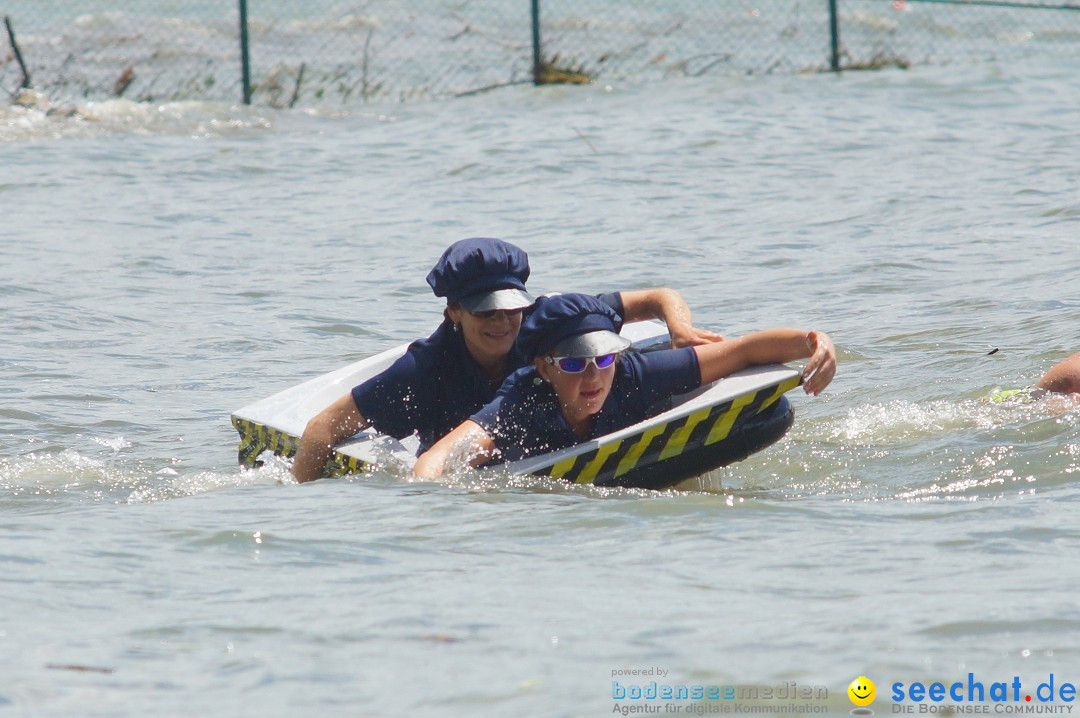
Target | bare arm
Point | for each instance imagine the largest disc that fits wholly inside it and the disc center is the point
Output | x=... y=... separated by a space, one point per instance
x=338 y=421
x=767 y=347
x=669 y=306
x=1063 y=377
x=468 y=438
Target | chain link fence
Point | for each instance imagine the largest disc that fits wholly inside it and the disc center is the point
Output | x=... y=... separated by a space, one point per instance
x=327 y=52
x=769 y=36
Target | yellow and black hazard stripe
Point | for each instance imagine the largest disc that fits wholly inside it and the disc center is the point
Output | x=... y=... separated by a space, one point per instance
x=615 y=462
x=257 y=438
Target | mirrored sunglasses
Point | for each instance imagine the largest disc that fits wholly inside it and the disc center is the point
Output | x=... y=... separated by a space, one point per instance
x=489 y=313
x=576 y=365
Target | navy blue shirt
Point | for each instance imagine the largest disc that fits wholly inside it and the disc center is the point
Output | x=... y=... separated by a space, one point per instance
x=434 y=387
x=525 y=418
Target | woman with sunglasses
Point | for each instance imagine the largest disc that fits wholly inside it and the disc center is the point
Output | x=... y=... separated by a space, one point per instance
x=442 y=380
x=582 y=384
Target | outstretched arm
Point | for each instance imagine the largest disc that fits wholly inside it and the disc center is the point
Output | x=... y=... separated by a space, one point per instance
x=338 y=421
x=668 y=306
x=771 y=346
x=1063 y=377
x=469 y=439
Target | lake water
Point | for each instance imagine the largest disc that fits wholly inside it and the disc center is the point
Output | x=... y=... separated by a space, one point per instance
x=162 y=266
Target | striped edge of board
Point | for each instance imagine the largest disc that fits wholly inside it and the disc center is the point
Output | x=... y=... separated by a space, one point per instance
x=257 y=438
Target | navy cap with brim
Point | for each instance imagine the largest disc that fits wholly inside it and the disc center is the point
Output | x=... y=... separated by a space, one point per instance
x=593 y=344
x=498 y=299
x=472 y=269
x=571 y=325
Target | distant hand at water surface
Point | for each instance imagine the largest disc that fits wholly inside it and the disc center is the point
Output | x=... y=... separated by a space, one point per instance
x=1063 y=377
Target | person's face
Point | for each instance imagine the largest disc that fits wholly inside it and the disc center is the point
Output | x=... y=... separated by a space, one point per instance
x=488 y=335
x=580 y=395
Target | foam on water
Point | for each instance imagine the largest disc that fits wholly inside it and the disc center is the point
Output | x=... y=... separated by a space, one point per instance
x=49 y=480
x=34 y=116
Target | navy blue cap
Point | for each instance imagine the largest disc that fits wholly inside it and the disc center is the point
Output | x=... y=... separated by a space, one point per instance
x=577 y=325
x=481 y=273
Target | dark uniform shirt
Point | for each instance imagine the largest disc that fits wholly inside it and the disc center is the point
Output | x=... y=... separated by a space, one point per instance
x=525 y=418
x=434 y=387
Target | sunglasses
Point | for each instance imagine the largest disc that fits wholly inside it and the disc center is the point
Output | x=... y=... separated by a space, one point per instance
x=577 y=365
x=489 y=313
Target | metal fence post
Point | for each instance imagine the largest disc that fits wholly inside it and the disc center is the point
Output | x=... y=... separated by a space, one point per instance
x=834 y=32
x=245 y=63
x=18 y=54
x=537 y=70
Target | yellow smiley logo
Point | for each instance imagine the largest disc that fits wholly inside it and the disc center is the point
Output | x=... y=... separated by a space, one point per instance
x=862 y=691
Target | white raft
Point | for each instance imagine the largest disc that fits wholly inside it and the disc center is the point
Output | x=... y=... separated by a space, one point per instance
x=713 y=426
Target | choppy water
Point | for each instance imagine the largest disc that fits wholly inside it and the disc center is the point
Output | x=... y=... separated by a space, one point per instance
x=161 y=266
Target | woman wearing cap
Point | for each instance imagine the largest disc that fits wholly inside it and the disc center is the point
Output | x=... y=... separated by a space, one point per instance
x=581 y=385
x=442 y=380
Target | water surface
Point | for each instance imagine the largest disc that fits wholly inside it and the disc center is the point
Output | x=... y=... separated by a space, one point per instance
x=162 y=266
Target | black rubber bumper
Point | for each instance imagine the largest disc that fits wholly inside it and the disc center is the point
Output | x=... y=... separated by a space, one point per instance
x=746 y=438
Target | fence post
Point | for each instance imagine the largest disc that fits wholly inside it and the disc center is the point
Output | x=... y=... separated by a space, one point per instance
x=537 y=69
x=834 y=32
x=18 y=54
x=245 y=64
